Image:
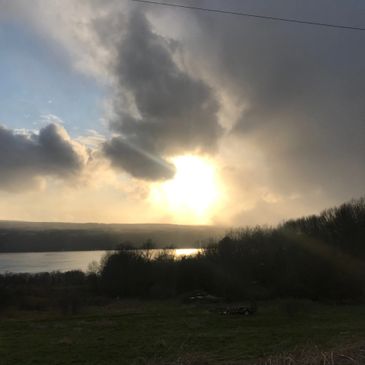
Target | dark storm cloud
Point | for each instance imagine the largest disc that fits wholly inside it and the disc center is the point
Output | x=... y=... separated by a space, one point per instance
x=303 y=88
x=24 y=157
x=126 y=154
x=176 y=113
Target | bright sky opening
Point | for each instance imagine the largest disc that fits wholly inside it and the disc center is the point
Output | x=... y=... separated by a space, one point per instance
x=194 y=190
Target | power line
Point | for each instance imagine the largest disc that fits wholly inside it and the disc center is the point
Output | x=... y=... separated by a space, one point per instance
x=265 y=17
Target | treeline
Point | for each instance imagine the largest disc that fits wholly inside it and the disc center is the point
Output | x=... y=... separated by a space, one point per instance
x=65 y=292
x=341 y=228
x=319 y=258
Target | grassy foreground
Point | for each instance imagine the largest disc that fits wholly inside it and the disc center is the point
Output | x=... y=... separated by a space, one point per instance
x=172 y=333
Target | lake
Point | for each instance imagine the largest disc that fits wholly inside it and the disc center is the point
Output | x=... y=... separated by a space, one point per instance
x=33 y=262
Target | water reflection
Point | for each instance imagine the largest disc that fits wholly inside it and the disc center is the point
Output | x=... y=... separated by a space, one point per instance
x=33 y=262
x=186 y=252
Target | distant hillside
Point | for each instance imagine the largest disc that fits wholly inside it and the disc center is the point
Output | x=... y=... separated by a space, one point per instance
x=47 y=236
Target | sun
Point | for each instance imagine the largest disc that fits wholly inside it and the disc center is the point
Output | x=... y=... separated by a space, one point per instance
x=194 y=190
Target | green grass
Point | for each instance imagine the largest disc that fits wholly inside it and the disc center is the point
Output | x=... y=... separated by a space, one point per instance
x=162 y=332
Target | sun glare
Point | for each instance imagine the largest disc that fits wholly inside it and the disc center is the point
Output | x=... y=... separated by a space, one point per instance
x=192 y=192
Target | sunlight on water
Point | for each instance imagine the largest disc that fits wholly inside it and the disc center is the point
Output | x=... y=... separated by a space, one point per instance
x=186 y=252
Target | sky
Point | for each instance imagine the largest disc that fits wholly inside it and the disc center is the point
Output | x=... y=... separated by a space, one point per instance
x=117 y=111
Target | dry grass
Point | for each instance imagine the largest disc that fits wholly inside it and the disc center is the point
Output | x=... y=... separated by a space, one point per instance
x=352 y=355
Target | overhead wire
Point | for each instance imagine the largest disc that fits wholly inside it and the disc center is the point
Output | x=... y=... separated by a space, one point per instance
x=252 y=15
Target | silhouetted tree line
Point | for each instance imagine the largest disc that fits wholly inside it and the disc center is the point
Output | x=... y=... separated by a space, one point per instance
x=342 y=228
x=65 y=292
x=318 y=257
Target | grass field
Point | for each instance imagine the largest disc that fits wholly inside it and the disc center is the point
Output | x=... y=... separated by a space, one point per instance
x=172 y=333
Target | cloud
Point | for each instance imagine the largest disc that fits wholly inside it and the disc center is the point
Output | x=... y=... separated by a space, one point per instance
x=69 y=26
x=158 y=107
x=170 y=111
x=51 y=118
x=137 y=161
x=25 y=158
x=92 y=139
x=300 y=89
x=293 y=94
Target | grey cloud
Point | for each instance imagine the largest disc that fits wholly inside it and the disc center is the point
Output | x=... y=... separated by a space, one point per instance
x=303 y=88
x=126 y=154
x=26 y=157
x=175 y=113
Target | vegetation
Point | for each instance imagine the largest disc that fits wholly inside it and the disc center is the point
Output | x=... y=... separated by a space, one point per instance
x=318 y=258
x=154 y=333
x=296 y=271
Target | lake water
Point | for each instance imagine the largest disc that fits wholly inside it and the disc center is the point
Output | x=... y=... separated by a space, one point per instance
x=33 y=262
